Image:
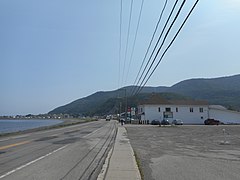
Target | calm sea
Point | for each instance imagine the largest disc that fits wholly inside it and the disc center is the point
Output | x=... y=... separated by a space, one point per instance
x=7 y=126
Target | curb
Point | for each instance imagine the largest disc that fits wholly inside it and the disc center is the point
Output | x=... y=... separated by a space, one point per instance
x=121 y=161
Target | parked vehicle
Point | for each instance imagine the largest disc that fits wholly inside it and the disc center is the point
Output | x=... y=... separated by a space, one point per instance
x=129 y=119
x=155 y=122
x=177 y=122
x=165 y=122
x=212 y=122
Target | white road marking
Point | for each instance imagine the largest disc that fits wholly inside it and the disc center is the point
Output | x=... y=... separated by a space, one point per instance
x=31 y=162
x=42 y=157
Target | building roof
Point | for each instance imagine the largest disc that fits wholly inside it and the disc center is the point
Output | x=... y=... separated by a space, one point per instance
x=156 y=99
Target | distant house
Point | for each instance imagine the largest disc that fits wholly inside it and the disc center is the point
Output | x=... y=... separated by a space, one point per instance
x=189 y=111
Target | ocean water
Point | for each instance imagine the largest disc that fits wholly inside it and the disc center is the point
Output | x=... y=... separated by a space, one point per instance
x=7 y=126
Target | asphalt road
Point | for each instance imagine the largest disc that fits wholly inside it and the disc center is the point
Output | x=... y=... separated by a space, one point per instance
x=73 y=152
x=187 y=152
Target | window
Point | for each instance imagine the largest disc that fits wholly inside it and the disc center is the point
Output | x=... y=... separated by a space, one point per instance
x=201 y=110
x=168 y=114
x=176 y=109
x=168 y=109
x=159 y=109
x=191 y=109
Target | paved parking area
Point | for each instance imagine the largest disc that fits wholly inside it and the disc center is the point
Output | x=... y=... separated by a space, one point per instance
x=187 y=152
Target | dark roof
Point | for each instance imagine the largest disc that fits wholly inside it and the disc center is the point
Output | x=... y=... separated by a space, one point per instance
x=156 y=99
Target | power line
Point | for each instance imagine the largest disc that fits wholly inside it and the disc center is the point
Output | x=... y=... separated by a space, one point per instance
x=135 y=38
x=120 y=43
x=166 y=23
x=159 y=19
x=170 y=44
x=128 y=33
x=164 y=39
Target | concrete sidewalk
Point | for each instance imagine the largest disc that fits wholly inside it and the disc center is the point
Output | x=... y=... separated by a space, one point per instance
x=121 y=162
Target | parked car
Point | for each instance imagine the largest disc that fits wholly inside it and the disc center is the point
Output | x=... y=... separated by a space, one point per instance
x=212 y=122
x=177 y=122
x=155 y=122
x=130 y=119
x=165 y=122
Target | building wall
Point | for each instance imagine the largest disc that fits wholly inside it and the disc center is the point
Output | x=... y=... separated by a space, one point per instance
x=151 y=112
x=225 y=116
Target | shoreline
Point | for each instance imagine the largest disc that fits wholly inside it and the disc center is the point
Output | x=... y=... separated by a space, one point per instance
x=66 y=122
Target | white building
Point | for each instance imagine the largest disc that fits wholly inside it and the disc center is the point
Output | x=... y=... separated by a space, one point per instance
x=189 y=111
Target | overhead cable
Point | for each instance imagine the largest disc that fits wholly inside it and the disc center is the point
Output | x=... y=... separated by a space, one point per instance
x=120 y=44
x=128 y=33
x=163 y=41
x=170 y=44
x=160 y=36
x=135 y=38
x=155 y=30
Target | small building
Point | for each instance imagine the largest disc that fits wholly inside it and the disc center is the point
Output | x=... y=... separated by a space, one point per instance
x=189 y=111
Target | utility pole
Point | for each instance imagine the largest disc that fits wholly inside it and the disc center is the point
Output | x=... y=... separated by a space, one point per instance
x=120 y=110
x=125 y=104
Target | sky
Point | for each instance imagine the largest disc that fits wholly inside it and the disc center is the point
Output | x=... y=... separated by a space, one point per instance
x=53 y=52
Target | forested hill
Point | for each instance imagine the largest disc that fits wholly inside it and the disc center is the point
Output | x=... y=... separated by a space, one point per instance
x=224 y=91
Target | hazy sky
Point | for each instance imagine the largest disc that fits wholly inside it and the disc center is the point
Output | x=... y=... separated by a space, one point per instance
x=55 y=51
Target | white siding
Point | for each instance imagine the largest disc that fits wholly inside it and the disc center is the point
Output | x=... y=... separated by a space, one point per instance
x=196 y=117
x=151 y=112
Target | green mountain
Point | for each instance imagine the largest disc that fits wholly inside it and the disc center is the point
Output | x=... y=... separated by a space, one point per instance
x=224 y=91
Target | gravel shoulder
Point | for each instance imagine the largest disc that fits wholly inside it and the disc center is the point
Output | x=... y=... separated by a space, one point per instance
x=187 y=152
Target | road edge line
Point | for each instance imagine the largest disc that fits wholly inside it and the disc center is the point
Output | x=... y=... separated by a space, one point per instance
x=31 y=162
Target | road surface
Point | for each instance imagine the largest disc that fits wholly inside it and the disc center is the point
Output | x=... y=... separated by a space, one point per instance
x=73 y=152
